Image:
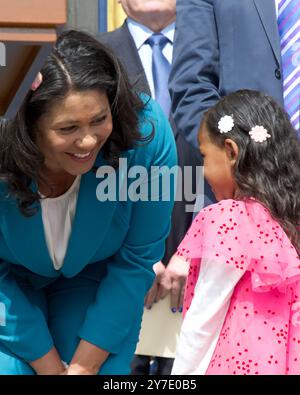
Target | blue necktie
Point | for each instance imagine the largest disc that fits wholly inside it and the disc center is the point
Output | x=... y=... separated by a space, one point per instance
x=160 y=70
x=289 y=31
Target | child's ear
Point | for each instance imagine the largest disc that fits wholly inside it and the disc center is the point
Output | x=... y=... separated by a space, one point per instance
x=232 y=150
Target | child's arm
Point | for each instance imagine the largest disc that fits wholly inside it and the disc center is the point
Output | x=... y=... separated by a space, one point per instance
x=204 y=319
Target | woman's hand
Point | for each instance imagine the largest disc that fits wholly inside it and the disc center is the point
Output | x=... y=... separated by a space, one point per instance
x=87 y=359
x=161 y=285
x=49 y=364
x=77 y=370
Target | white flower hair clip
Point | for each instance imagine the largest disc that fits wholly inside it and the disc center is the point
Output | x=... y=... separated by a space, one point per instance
x=226 y=124
x=259 y=134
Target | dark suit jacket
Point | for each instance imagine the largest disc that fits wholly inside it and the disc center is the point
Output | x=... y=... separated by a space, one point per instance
x=123 y=45
x=222 y=46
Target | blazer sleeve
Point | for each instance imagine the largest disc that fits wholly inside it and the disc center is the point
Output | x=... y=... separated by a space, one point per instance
x=23 y=326
x=116 y=314
x=194 y=77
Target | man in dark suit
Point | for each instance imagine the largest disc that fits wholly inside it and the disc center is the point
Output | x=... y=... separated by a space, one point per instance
x=132 y=44
x=223 y=46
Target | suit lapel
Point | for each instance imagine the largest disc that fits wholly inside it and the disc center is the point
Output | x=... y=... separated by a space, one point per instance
x=130 y=57
x=267 y=13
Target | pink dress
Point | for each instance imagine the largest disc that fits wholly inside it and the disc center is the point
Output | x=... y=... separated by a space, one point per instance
x=261 y=330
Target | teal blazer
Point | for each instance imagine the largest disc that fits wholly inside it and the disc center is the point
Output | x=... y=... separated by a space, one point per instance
x=125 y=237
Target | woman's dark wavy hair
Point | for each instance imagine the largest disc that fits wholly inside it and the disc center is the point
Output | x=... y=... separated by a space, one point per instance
x=77 y=62
x=268 y=171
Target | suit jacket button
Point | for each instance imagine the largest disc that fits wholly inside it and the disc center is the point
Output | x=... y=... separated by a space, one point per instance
x=278 y=74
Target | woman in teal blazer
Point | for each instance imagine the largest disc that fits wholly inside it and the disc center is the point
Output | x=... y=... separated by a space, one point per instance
x=81 y=119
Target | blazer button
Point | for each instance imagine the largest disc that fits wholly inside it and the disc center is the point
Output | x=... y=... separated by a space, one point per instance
x=278 y=74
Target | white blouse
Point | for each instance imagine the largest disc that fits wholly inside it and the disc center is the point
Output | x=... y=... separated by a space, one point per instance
x=58 y=214
x=204 y=319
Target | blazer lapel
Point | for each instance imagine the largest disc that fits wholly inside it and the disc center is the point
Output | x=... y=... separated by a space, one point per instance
x=25 y=236
x=26 y=240
x=267 y=13
x=91 y=222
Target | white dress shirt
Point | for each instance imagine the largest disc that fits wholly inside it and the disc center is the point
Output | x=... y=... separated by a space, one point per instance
x=276 y=6
x=204 y=319
x=58 y=214
x=140 y=34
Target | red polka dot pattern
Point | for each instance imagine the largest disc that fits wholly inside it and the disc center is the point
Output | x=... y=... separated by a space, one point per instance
x=261 y=332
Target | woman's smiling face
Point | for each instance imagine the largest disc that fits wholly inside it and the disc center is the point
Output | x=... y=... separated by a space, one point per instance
x=71 y=135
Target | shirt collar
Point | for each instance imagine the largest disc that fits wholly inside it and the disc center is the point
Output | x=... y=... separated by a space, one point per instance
x=141 y=33
x=277 y=6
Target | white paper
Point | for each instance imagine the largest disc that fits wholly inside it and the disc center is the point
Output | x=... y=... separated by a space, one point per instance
x=160 y=330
